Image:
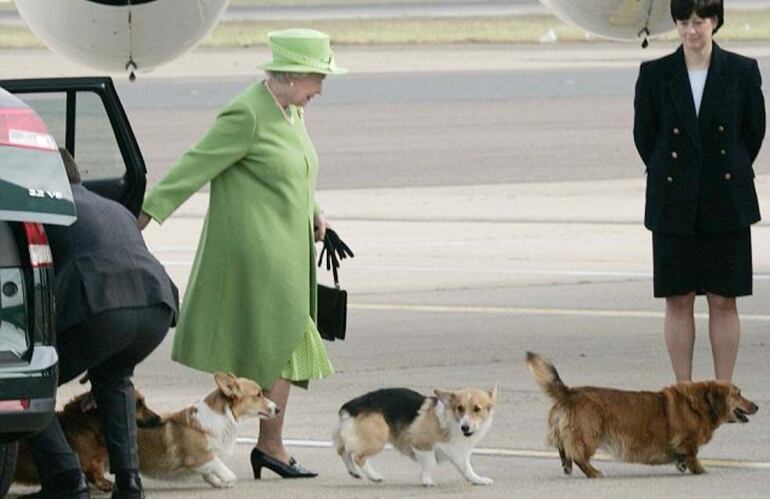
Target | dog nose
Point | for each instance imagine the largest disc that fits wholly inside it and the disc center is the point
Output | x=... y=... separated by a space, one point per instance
x=277 y=410
x=465 y=428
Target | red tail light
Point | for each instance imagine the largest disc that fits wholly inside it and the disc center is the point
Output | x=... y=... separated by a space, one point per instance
x=14 y=405
x=22 y=127
x=37 y=242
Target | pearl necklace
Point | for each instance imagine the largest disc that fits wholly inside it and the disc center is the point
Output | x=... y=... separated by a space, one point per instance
x=287 y=116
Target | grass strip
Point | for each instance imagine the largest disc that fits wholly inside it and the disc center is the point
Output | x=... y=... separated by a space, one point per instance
x=309 y=3
x=14 y=37
x=748 y=25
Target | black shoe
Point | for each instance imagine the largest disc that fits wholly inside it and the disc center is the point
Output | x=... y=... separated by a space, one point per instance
x=67 y=485
x=291 y=470
x=128 y=485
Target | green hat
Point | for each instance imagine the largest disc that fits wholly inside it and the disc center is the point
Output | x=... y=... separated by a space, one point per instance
x=301 y=51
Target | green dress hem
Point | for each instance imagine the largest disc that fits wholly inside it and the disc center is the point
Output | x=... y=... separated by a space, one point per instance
x=309 y=360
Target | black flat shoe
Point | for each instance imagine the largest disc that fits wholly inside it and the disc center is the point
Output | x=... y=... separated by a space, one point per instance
x=128 y=485
x=291 y=470
x=68 y=485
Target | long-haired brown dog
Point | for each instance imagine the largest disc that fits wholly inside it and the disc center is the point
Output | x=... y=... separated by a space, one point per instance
x=82 y=425
x=662 y=427
x=191 y=440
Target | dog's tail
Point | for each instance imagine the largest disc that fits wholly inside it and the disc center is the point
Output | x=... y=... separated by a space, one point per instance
x=547 y=377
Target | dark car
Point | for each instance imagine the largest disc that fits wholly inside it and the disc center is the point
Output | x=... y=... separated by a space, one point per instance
x=36 y=117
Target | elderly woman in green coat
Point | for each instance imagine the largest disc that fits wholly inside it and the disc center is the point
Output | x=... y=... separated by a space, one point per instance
x=250 y=304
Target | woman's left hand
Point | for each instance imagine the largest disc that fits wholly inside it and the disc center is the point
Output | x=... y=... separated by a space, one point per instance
x=320 y=225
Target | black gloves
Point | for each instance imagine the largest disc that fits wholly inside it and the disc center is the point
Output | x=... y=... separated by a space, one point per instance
x=335 y=250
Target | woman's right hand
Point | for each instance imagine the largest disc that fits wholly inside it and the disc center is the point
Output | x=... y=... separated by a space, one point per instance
x=143 y=220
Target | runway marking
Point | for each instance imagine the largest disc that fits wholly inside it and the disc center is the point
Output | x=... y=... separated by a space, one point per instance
x=643 y=314
x=525 y=453
x=575 y=273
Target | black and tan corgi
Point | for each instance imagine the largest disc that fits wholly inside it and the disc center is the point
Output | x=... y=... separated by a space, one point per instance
x=428 y=429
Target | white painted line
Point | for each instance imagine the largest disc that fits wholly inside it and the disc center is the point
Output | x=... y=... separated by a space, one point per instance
x=524 y=453
x=456 y=270
x=450 y=309
x=578 y=273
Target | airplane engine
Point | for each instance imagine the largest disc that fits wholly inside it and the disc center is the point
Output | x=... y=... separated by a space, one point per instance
x=121 y=35
x=616 y=19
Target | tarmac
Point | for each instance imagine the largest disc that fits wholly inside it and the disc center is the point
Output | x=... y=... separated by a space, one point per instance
x=451 y=284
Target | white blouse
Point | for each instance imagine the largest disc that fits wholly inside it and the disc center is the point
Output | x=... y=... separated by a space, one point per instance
x=697 y=83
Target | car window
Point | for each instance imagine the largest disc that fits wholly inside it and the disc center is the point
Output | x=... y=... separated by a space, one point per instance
x=96 y=148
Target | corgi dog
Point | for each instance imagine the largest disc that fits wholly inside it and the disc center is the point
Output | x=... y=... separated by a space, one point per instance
x=83 y=428
x=197 y=437
x=667 y=426
x=446 y=426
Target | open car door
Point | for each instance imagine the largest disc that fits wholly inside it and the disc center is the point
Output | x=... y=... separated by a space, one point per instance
x=85 y=115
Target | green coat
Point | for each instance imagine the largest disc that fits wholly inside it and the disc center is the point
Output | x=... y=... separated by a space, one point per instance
x=252 y=288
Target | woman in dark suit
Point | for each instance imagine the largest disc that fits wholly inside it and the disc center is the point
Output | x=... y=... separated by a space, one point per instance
x=698 y=126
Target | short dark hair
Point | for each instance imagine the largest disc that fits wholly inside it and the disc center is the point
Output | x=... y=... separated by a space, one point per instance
x=70 y=166
x=683 y=9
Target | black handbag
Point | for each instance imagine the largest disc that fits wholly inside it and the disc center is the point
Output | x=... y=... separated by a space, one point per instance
x=331 y=318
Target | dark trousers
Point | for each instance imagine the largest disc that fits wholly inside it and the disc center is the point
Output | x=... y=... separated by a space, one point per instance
x=108 y=345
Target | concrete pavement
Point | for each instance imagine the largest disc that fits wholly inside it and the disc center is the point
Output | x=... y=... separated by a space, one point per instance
x=388 y=223
x=449 y=286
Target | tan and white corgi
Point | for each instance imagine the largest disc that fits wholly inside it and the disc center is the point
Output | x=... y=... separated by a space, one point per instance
x=427 y=429
x=196 y=438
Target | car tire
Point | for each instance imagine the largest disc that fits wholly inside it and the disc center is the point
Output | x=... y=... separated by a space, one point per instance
x=8 y=454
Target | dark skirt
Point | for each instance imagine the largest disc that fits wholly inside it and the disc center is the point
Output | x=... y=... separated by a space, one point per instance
x=702 y=263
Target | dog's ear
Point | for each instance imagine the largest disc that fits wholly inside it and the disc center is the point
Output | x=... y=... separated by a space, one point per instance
x=229 y=385
x=716 y=401
x=493 y=394
x=444 y=396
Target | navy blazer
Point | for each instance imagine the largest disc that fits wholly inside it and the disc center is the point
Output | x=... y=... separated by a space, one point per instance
x=699 y=168
x=101 y=263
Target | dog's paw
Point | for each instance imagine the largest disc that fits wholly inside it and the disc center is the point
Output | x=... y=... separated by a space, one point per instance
x=371 y=474
x=681 y=467
x=103 y=485
x=482 y=480
x=427 y=482
x=355 y=474
x=218 y=482
x=221 y=484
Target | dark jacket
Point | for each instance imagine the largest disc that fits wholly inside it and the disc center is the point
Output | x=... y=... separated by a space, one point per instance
x=102 y=263
x=699 y=168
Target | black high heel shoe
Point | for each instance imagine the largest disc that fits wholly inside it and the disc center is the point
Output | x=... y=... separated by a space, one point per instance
x=292 y=470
